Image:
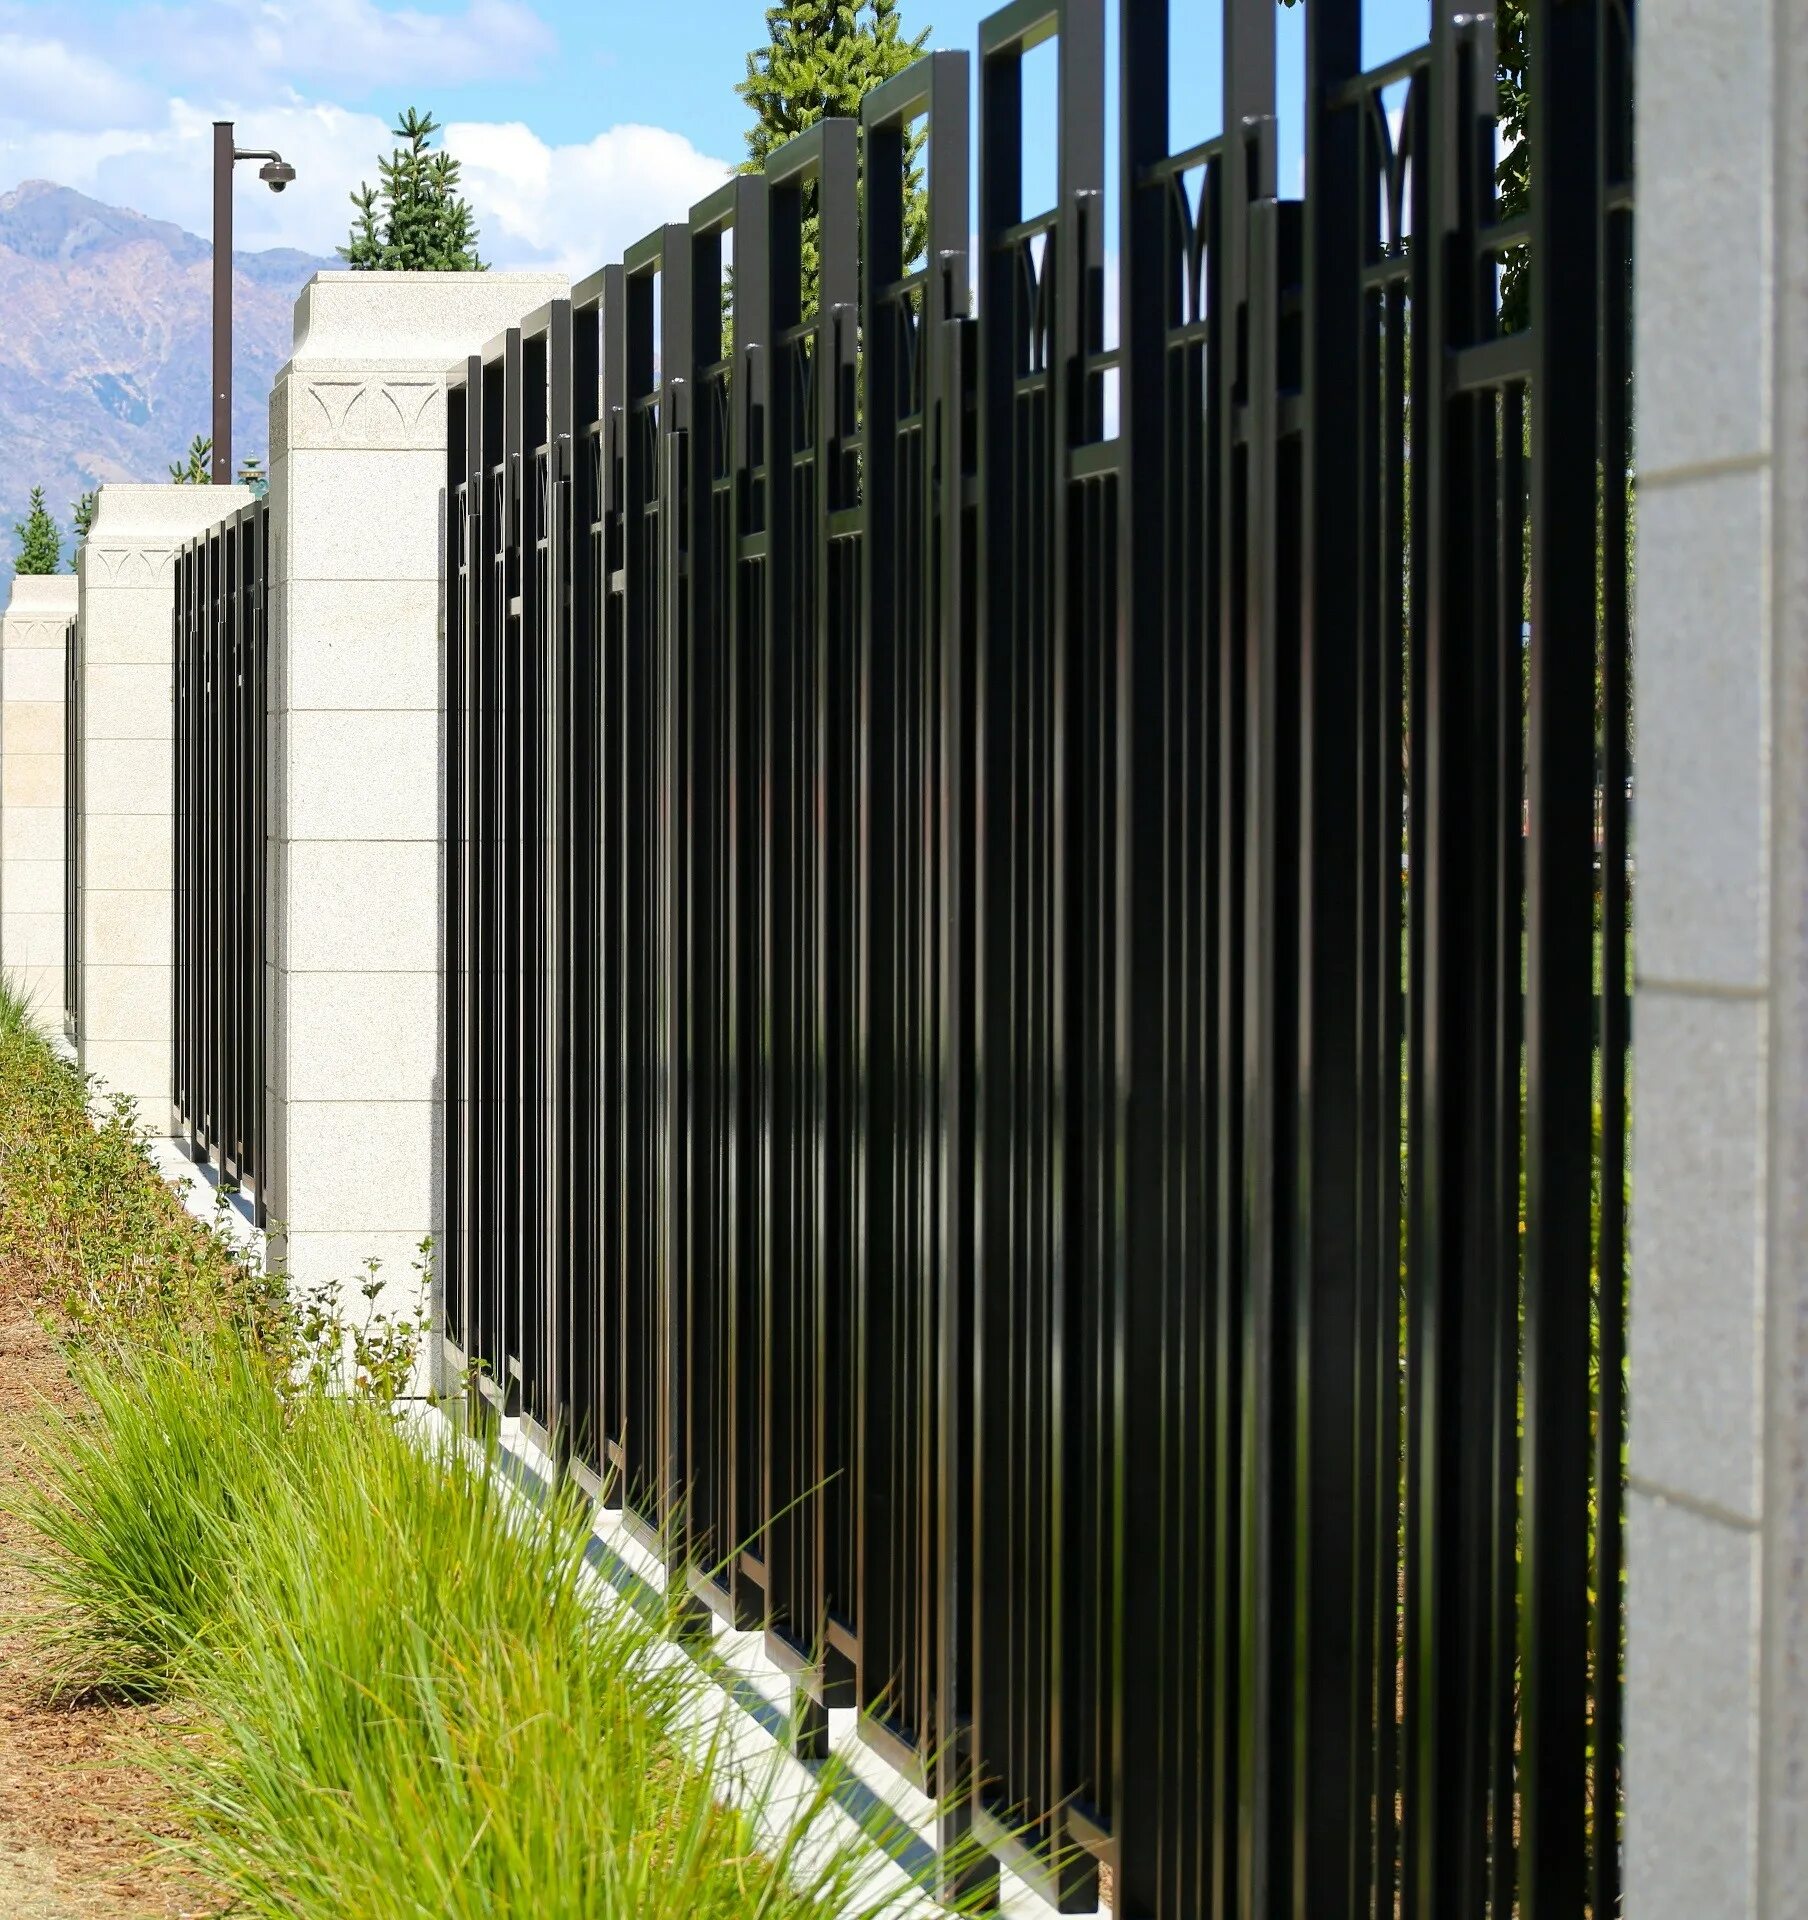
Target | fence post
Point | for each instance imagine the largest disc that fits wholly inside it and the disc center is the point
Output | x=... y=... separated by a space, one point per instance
x=356 y=751
x=126 y=571
x=1717 y=1466
x=31 y=785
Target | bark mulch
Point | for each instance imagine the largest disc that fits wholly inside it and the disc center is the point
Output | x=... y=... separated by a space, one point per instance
x=80 y=1818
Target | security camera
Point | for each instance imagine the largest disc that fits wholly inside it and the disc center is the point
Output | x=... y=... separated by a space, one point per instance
x=276 y=174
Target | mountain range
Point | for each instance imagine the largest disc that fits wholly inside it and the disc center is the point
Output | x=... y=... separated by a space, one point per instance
x=105 y=362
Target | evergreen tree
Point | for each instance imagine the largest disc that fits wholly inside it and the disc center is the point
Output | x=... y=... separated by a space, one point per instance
x=413 y=221
x=822 y=58
x=196 y=468
x=82 y=512
x=1513 y=176
x=40 y=547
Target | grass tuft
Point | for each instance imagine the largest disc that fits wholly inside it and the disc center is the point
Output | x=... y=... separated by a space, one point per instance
x=132 y=1497
x=411 y=1700
x=17 y=1014
x=405 y=1695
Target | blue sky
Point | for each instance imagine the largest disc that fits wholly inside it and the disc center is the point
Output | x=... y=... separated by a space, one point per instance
x=580 y=125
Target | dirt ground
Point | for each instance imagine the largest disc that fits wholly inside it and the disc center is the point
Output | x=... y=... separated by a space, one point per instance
x=80 y=1822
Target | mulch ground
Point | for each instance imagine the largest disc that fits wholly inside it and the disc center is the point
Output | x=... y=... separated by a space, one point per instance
x=81 y=1820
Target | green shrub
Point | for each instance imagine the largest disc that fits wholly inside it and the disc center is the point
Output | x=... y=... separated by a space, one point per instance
x=409 y=1700
x=89 y=1230
x=131 y=1497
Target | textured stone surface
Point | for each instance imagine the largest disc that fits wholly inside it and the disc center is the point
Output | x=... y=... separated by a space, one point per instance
x=126 y=606
x=32 y=670
x=1717 y=1663
x=1691 y=1721
x=357 y=434
x=1696 y=1234
x=1783 y=1861
x=1705 y=247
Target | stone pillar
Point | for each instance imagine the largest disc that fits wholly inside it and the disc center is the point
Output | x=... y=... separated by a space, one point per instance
x=357 y=464
x=32 y=639
x=1717 y=1664
x=126 y=568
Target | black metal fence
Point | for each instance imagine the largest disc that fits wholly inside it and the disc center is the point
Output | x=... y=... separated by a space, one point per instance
x=1036 y=1057
x=73 y=761
x=221 y=820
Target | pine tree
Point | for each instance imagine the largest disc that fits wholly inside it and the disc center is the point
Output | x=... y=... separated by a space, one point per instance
x=414 y=221
x=1513 y=175
x=40 y=547
x=196 y=468
x=82 y=512
x=823 y=57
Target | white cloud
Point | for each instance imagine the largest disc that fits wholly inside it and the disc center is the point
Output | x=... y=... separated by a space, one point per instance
x=326 y=40
x=165 y=169
x=51 y=84
x=537 y=205
x=576 y=207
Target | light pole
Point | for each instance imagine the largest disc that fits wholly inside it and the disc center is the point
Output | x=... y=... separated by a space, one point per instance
x=276 y=173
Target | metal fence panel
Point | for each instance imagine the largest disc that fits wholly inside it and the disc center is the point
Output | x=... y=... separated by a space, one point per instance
x=221 y=824
x=1037 y=936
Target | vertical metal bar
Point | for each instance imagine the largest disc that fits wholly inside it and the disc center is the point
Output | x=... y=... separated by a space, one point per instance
x=222 y=303
x=1042 y=1151
x=513 y=1209
x=1142 y=1679
x=1329 y=1708
x=833 y=800
x=179 y=814
x=1240 y=307
x=627 y=370
x=454 y=538
x=1433 y=1184
x=528 y=455
x=998 y=1514
x=751 y=454
x=1262 y=939
x=966 y=1875
x=1078 y=811
x=882 y=1522
x=805 y=1171
x=492 y=1173
x=560 y=1025
x=1451 y=1159
x=897 y=1277
x=464 y=1192
x=676 y=380
x=257 y=905
x=1564 y=120
x=1377 y=989
x=212 y=864
x=584 y=824
x=1615 y=170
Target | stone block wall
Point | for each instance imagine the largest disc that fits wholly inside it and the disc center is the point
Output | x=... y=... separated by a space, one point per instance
x=357 y=464
x=1717 y=1674
x=126 y=570
x=32 y=663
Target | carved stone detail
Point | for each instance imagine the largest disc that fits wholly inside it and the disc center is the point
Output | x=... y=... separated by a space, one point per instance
x=370 y=414
x=130 y=566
